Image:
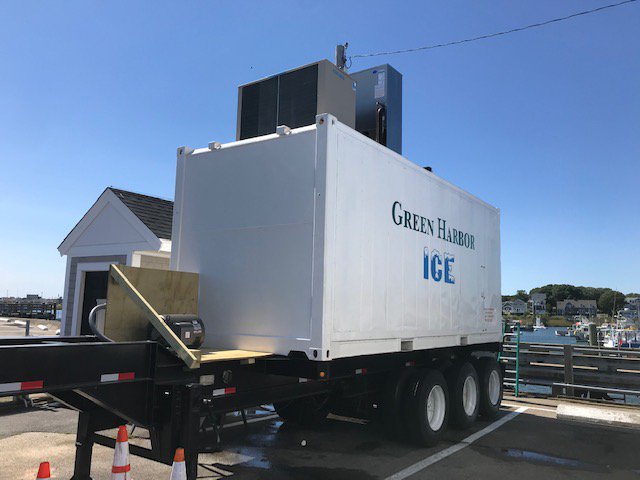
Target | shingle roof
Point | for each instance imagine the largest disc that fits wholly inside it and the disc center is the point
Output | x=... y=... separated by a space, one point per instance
x=155 y=213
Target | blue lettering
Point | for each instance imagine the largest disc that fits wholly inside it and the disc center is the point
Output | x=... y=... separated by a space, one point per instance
x=448 y=266
x=426 y=263
x=436 y=266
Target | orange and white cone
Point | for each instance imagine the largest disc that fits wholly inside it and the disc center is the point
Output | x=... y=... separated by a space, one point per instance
x=121 y=469
x=44 y=472
x=179 y=468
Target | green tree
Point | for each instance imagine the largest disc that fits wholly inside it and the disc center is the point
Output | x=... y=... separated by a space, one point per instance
x=522 y=295
x=610 y=300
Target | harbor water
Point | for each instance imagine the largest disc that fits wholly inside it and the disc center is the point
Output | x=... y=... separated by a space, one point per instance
x=547 y=335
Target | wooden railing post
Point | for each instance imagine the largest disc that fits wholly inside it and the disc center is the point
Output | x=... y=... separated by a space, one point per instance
x=568 y=369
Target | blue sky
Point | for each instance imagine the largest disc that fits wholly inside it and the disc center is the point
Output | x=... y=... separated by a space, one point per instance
x=544 y=124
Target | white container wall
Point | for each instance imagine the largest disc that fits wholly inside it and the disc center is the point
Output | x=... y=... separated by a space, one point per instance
x=325 y=242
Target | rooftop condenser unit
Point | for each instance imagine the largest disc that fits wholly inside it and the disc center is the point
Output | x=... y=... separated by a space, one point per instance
x=294 y=98
x=379 y=105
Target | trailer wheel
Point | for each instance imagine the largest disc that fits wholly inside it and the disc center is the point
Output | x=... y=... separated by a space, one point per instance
x=427 y=407
x=464 y=388
x=490 y=377
x=308 y=411
x=393 y=402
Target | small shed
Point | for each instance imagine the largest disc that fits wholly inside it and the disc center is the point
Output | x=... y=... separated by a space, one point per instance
x=121 y=227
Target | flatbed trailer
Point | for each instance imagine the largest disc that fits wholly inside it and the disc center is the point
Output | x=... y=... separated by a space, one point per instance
x=145 y=384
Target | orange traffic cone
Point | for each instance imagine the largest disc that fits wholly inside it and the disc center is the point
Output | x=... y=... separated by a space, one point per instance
x=121 y=469
x=179 y=468
x=44 y=471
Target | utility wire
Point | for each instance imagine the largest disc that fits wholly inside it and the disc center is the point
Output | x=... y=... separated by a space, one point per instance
x=491 y=35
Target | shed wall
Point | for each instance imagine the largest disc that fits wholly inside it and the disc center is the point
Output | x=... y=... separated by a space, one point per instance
x=72 y=280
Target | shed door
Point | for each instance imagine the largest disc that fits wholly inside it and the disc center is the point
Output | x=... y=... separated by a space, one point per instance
x=95 y=287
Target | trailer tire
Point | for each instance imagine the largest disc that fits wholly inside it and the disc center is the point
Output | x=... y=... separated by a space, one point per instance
x=307 y=411
x=427 y=407
x=464 y=391
x=490 y=376
x=393 y=402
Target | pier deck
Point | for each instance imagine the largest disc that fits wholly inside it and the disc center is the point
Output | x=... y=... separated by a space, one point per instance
x=527 y=441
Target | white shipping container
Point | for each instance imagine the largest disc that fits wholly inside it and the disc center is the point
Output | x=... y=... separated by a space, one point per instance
x=325 y=242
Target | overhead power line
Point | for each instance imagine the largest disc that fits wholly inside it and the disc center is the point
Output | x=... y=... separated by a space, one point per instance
x=496 y=34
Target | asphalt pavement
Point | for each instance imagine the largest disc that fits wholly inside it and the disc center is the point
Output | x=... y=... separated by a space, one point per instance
x=15 y=327
x=526 y=442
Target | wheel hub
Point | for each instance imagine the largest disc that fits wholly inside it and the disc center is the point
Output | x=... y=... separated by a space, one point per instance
x=436 y=407
x=494 y=387
x=469 y=395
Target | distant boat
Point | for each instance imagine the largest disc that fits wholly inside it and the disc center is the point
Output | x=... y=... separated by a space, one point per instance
x=580 y=329
x=539 y=325
x=623 y=335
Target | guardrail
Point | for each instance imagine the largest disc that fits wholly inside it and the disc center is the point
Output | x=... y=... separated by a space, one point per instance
x=574 y=370
x=42 y=310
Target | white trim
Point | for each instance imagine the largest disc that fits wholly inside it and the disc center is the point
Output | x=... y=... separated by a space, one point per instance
x=178 y=201
x=65 y=297
x=108 y=198
x=134 y=259
x=165 y=245
x=152 y=253
x=104 y=250
x=78 y=297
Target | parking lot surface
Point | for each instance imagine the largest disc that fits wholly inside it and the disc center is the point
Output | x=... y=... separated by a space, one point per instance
x=527 y=441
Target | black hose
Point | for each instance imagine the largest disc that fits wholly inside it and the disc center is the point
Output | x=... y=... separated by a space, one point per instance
x=92 y=322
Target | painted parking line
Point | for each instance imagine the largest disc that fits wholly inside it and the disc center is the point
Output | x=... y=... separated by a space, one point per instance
x=541 y=409
x=436 y=457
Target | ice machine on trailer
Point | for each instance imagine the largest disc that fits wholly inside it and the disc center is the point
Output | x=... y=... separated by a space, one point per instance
x=321 y=241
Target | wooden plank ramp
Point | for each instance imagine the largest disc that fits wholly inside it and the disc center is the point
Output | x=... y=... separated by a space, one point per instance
x=209 y=356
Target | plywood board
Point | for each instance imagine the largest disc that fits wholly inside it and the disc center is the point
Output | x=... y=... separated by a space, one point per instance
x=208 y=356
x=166 y=291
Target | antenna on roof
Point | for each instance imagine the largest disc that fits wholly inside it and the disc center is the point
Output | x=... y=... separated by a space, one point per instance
x=341 y=57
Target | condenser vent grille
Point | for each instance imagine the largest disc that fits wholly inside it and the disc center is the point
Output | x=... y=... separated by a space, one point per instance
x=294 y=98
x=298 y=97
x=259 y=108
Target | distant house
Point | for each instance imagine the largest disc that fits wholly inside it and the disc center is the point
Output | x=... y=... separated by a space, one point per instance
x=121 y=227
x=631 y=310
x=571 y=307
x=538 y=303
x=632 y=302
x=628 y=313
x=514 y=307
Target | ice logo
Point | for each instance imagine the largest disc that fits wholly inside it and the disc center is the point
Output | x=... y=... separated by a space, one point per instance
x=437 y=265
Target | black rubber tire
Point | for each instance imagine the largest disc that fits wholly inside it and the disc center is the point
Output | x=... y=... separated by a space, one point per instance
x=485 y=366
x=393 y=402
x=308 y=411
x=456 y=376
x=418 y=389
